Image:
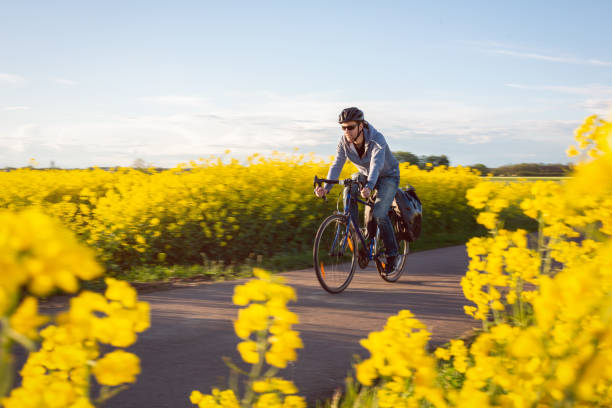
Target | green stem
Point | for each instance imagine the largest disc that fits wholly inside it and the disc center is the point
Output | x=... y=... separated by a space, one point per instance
x=548 y=258
x=6 y=360
x=6 y=344
x=24 y=341
x=87 y=386
x=541 y=248
x=271 y=372
x=262 y=345
x=519 y=298
x=107 y=393
x=496 y=316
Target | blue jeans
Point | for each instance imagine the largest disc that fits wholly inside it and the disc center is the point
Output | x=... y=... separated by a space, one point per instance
x=386 y=187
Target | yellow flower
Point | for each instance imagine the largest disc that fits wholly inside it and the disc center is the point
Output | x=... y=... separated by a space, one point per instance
x=572 y=151
x=294 y=401
x=488 y=219
x=253 y=318
x=248 y=351
x=224 y=399
x=283 y=348
x=443 y=353
x=268 y=400
x=26 y=319
x=47 y=259
x=117 y=367
x=366 y=372
x=121 y=291
x=274 y=384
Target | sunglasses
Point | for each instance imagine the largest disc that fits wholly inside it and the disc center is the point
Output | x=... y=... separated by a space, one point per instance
x=351 y=127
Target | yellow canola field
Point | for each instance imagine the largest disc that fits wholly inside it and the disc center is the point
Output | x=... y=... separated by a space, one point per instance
x=216 y=208
x=549 y=347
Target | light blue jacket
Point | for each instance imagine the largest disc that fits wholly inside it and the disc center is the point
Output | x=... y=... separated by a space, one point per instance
x=377 y=161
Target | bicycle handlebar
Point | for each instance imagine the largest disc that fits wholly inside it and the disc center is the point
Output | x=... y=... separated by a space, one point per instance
x=346 y=182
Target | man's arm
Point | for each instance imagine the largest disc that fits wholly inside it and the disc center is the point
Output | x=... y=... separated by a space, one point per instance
x=336 y=167
x=377 y=162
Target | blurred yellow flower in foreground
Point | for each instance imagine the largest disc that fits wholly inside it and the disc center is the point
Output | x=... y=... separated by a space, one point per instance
x=117 y=367
x=265 y=327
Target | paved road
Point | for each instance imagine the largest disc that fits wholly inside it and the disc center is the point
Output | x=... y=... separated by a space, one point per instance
x=192 y=328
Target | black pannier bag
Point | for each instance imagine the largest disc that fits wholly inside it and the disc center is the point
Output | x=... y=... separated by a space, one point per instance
x=409 y=211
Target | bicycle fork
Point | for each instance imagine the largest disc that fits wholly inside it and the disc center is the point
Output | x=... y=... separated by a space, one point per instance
x=339 y=250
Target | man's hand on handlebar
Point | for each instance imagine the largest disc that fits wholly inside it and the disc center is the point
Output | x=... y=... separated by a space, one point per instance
x=365 y=192
x=320 y=191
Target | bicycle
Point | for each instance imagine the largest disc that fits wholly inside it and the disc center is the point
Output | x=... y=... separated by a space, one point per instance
x=335 y=250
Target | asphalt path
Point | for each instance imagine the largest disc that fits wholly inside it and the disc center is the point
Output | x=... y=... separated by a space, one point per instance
x=192 y=328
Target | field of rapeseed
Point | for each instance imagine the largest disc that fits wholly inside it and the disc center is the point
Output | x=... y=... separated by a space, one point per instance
x=545 y=301
x=216 y=209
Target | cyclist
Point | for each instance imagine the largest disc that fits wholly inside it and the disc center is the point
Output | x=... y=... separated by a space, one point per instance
x=367 y=149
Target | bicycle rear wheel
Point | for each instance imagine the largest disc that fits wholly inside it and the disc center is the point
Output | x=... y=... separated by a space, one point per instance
x=403 y=251
x=334 y=253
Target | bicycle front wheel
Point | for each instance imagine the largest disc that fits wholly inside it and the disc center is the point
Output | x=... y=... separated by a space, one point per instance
x=334 y=253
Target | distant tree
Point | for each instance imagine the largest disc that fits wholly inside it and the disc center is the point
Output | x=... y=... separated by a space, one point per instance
x=484 y=170
x=140 y=164
x=437 y=160
x=421 y=161
x=407 y=157
x=533 y=170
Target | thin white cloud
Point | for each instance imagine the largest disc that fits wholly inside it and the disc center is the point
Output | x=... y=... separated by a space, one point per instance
x=62 y=81
x=15 y=108
x=509 y=50
x=177 y=100
x=596 y=99
x=601 y=107
x=602 y=90
x=476 y=139
x=11 y=79
x=551 y=58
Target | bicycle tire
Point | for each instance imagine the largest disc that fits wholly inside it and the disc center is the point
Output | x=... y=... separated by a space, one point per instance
x=404 y=250
x=335 y=258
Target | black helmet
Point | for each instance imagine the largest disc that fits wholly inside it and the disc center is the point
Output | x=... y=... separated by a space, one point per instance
x=349 y=114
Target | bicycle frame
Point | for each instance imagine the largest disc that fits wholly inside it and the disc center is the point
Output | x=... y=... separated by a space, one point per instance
x=347 y=213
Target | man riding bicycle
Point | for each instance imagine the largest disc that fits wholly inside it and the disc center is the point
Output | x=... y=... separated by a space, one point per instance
x=366 y=147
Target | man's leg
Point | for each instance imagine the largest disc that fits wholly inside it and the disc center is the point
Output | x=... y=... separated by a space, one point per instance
x=387 y=187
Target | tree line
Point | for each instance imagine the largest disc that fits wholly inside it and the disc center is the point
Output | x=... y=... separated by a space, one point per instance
x=421 y=161
x=510 y=170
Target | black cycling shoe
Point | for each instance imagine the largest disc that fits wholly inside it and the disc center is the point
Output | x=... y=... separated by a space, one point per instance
x=392 y=264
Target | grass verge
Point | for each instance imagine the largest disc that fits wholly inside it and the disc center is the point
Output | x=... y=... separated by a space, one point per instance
x=216 y=271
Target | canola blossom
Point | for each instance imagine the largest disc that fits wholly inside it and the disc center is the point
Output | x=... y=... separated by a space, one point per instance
x=218 y=208
x=39 y=256
x=398 y=358
x=265 y=328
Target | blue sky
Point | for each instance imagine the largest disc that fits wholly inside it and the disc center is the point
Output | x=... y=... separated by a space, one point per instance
x=105 y=83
